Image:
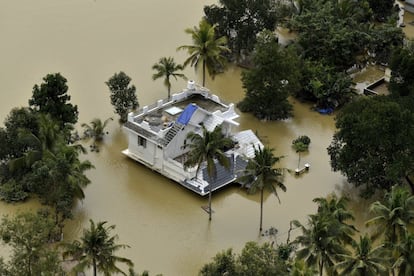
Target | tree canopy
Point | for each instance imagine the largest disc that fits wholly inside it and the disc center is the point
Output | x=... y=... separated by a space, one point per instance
x=29 y=236
x=123 y=96
x=373 y=144
x=274 y=76
x=51 y=97
x=241 y=21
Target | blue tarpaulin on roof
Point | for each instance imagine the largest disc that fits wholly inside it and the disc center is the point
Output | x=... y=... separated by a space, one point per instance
x=186 y=114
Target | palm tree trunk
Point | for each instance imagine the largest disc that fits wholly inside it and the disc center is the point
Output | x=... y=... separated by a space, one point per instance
x=320 y=268
x=261 y=209
x=209 y=204
x=94 y=266
x=299 y=160
x=407 y=178
x=204 y=73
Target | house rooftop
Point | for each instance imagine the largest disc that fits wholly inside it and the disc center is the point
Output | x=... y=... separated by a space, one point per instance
x=153 y=121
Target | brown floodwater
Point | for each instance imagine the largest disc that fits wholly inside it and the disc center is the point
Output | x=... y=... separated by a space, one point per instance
x=162 y=222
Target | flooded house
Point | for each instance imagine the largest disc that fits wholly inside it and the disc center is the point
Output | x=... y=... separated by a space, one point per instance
x=157 y=137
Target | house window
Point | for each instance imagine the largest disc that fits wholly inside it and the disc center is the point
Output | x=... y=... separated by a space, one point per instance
x=142 y=141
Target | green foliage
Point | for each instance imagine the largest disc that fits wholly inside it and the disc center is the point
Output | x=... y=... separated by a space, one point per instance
x=236 y=21
x=123 y=96
x=224 y=263
x=51 y=98
x=402 y=66
x=206 y=49
x=332 y=32
x=384 y=39
x=274 y=75
x=373 y=145
x=394 y=216
x=323 y=85
x=47 y=167
x=323 y=242
x=207 y=148
x=366 y=259
x=13 y=191
x=381 y=8
x=166 y=68
x=18 y=118
x=96 y=249
x=96 y=129
x=29 y=236
x=405 y=258
x=261 y=174
x=253 y=260
x=305 y=140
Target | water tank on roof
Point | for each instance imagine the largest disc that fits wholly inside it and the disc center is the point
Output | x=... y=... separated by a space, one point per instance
x=191 y=85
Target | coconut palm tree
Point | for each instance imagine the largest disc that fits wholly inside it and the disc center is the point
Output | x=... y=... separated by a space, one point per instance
x=301 y=144
x=319 y=243
x=260 y=174
x=405 y=260
x=208 y=147
x=166 y=68
x=49 y=135
x=365 y=260
x=96 y=129
x=336 y=208
x=96 y=249
x=206 y=49
x=393 y=216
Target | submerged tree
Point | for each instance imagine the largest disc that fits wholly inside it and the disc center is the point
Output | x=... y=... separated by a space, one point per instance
x=96 y=129
x=51 y=98
x=373 y=144
x=166 y=68
x=261 y=174
x=123 y=96
x=238 y=22
x=96 y=249
x=301 y=144
x=275 y=74
x=206 y=148
x=207 y=49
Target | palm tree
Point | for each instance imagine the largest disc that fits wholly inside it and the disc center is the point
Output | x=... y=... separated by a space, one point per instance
x=336 y=208
x=49 y=135
x=394 y=215
x=319 y=243
x=405 y=260
x=96 y=129
x=167 y=68
x=260 y=174
x=323 y=242
x=301 y=144
x=365 y=261
x=206 y=49
x=208 y=147
x=96 y=249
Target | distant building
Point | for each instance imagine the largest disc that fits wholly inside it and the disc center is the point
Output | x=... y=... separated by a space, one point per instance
x=157 y=137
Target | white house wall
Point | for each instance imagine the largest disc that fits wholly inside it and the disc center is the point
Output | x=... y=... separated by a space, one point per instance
x=147 y=154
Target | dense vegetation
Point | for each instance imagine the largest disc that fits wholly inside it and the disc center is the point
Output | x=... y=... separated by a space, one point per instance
x=372 y=146
x=330 y=245
x=332 y=37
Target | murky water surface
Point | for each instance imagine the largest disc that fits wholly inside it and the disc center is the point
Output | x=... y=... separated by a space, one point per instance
x=88 y=41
